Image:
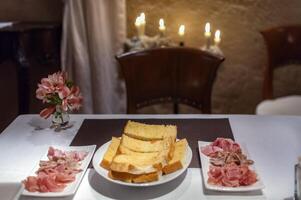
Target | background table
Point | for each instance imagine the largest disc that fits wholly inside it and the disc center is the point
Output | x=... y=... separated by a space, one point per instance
x=274 y=142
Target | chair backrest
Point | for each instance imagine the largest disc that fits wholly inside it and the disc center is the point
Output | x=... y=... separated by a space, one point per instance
x=284 y=47
x=178 y=75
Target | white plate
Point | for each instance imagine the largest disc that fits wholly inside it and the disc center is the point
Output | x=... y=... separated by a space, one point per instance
x=205 y=168
x=71 y=188
x=163 y=179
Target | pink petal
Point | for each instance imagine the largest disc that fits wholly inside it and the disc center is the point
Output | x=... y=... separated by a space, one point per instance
x=45 y=113
x=64 y=92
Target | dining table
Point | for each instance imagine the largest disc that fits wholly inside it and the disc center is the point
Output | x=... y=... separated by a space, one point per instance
x=272 y=142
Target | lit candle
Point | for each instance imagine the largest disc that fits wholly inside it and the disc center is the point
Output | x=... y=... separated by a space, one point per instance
x=138 y=26
x=137 y=22
x=181 y=33
x=142 y=22
x=207 y=30
x=142 y=18
x=162 y=27
x=217 y=37
x=207 y=35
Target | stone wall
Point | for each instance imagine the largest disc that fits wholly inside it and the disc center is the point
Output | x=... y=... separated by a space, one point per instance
x=238 y=85
x=31 y=10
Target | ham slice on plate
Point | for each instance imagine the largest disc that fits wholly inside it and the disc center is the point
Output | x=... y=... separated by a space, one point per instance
x=231 y=175
x=221 y=144
x=31 y=184
x=54 y=174
x=228 y=167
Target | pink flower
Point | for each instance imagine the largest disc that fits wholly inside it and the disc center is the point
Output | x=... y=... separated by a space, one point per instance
x=45 y=113
x=58 y=91
x=50 y=85
x=63 y=91
x=73 y=100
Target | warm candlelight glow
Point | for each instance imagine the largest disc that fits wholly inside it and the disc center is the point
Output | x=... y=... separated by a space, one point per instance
x=181 y=31
x=142 y=18
x=207 y=30
x=161 y=25
x=140 y=24
x=138 y=21
x=217 y=37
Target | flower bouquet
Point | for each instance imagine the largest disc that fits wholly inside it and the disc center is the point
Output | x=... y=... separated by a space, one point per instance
x=61 y=95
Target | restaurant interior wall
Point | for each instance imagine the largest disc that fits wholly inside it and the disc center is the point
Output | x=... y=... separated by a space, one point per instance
x=23 y=11
x=239 y=81
x=31 y=10
x=238 y=85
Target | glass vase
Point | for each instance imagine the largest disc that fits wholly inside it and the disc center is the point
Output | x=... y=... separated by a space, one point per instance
x=60 y=118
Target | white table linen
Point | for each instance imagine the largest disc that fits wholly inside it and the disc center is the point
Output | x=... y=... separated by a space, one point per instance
x=274 y=142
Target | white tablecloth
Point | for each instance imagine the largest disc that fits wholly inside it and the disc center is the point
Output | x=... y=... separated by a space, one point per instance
x=274 y=142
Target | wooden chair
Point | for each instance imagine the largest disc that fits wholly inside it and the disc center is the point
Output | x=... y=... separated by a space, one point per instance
x=177 y=75
x=283 y=47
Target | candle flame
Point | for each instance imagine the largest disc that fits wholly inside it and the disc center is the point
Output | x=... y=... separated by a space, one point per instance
x=142 y=18
x=207 y=27
x=161 y=22
x=217 y=34
x=181 y=30
x=138 y=21
x=217 y=37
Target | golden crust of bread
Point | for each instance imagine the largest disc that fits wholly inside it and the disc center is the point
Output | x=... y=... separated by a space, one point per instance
x=170 y=168
x=171 y=151
x=126 y=177
x=147 y=132
x=145 y=178
x=178 y=158
x=141 y=145
x=105 y=164
x=124 y=150
x=110 y=153
x=136 y=164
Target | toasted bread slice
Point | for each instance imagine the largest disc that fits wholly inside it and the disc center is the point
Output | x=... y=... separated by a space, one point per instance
x=178 y=159
x=124 y=150
x=164 y=156
x=110 y=153
x=149 y=132
x=141 y=178
x=122 y=176
x=141 y=145
x=145 y=178
x=137 y=164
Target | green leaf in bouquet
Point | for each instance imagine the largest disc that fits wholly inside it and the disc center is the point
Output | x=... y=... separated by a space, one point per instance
x=69 y=84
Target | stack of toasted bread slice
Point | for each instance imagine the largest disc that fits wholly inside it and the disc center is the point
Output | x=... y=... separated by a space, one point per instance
x=144 y=152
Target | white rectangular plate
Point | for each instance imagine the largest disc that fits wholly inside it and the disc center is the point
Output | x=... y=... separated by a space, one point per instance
x=71 y=187
x=205 y=168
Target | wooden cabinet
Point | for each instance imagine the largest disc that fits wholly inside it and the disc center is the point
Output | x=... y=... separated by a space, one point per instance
x=35 y=50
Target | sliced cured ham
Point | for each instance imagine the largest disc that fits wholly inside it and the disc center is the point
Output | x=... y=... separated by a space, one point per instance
x=229 y=166
x=223 y=157
x=231 y=175
x=54 y=174
x=221 y=144
x=31 y=184
x=227 y=145
x=210 y=150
